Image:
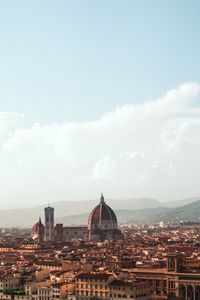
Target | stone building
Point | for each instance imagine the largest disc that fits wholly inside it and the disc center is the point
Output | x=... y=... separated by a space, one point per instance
x=104 y=286
x=102 y=225
x=38 y=232
x=175 y=282
x=49 y=224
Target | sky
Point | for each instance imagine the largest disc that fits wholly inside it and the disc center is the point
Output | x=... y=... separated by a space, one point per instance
x=98 y=96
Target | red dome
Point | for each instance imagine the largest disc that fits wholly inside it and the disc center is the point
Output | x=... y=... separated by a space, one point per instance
x=102 y=212
x=38 y=228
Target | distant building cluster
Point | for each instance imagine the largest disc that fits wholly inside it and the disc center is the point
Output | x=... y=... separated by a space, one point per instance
x=102 y=225
x=100 y=262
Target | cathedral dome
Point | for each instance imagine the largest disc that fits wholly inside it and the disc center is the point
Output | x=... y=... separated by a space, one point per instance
x=37 y=229
x=102 y=217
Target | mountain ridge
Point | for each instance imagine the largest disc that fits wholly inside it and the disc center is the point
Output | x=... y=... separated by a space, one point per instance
x=68 y=209
x=189 y=212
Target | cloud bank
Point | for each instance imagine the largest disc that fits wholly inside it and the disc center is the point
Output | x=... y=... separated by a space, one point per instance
x=150 y=149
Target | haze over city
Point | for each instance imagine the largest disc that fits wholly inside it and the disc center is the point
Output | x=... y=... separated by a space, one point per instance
x=98 y=96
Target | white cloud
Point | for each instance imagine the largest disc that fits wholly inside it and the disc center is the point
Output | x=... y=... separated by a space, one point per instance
x=151 y=149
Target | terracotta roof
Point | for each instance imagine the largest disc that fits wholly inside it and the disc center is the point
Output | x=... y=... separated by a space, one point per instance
x=95 y=276
x=117 y=282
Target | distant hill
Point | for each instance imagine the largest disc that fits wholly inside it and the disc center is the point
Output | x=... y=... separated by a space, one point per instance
x=127 y=210
x=29 y=216
x=123 y=215
x=189 y=212
x=135 y=204
x=181 y=202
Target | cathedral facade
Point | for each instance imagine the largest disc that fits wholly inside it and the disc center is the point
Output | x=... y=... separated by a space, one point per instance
x=102 y=225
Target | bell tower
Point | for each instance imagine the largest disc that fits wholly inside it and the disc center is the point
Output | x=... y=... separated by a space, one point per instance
x=49 y=223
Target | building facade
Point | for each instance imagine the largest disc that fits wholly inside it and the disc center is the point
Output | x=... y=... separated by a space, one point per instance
x=172 y=282
x=104 y=286
x=102 y=225
x=68 y=233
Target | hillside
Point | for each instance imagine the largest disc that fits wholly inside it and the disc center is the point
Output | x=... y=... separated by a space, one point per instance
x=127 y=210
x=180 y=202
x=189 y=212
x=123 y=215
x=13 y=217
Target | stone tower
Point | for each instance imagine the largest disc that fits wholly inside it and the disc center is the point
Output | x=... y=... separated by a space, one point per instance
x=49 y=224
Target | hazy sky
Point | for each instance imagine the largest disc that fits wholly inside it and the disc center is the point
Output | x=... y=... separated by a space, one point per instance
x=98 y=96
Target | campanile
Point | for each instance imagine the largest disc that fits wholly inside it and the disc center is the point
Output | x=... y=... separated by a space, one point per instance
x=49 y=224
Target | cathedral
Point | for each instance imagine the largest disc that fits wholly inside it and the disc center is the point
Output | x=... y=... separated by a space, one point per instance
x=102 y=225
x=38 y=232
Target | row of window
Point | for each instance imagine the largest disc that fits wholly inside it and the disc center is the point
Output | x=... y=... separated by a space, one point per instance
x=118 y=296
x=96 y=286
x=91 y=280
x=87 y=293
x=102 y=286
